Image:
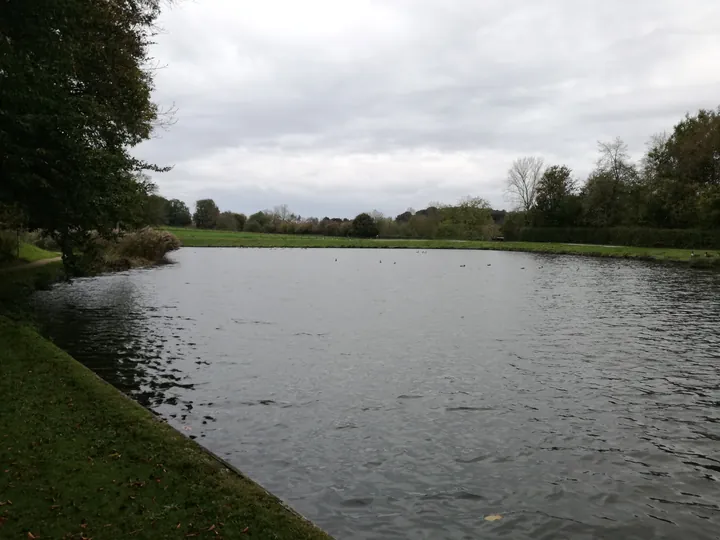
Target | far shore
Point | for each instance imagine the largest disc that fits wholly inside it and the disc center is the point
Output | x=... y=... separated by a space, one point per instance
x=190 y=237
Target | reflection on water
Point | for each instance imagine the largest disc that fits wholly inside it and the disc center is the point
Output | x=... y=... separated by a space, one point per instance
x=578 y=398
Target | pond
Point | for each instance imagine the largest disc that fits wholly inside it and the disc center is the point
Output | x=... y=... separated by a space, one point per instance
x=403 y=394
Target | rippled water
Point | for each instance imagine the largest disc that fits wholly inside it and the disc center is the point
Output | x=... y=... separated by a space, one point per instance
x=410 y=398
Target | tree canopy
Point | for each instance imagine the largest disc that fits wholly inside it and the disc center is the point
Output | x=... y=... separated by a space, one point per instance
x=74 y=98
x=206 y=214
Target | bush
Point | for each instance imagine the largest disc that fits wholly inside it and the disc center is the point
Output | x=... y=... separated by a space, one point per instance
x=147 y=244
x=226 y=222
x=8 y=246
x=37 y=239
x=252 y=225
x=621 y=236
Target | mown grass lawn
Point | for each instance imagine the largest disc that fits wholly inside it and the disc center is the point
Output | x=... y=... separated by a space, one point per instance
x=79 y=460
x=212 y=238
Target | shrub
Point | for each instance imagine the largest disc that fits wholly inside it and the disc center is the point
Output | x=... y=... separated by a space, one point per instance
x=37 y=239
x=622 y=236
x=252 y=225
x=226 y=222
x=147 y=244
x=8 y=245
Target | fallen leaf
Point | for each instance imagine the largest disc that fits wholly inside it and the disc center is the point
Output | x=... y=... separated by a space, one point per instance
x=178 y=526
x=31 y=536
x=211 y=527
x=246 y=529
x=493 y=517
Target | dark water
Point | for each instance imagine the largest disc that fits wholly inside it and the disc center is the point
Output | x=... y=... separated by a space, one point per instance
x=577 y=398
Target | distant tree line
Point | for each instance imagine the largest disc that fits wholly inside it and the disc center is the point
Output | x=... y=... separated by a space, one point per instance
x=675 y=186
x=470 y=218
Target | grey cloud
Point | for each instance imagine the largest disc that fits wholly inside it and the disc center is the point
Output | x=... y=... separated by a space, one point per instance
x=498 y=79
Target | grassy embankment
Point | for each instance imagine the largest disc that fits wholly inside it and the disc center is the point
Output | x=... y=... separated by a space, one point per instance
x=209 y=238
x=79 y=460
x=29 y=254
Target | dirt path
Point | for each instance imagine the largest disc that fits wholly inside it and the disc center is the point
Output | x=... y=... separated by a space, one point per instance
x=33 y=264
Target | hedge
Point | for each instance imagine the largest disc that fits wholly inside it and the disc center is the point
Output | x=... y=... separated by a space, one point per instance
x=621 y=236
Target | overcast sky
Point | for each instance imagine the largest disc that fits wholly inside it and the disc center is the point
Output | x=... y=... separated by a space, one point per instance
x=338 y=107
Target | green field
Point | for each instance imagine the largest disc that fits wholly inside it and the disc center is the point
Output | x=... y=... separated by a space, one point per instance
x=80 y=460
x=210 y=238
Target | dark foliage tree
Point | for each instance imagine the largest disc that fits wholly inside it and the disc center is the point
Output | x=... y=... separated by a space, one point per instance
x=405 y=217
x=226 y=222
x=178 y=213
x=206 y=214
x=74 y=98
x=555 y=202
x=364 y=226
x=155 y=210
x=240 y=220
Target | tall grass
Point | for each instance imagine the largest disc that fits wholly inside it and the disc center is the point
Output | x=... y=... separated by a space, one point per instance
x=139 y=248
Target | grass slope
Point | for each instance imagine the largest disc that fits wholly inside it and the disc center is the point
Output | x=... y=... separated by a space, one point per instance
x=18 y=284
x=28 y=254
x=31 y=253
x=209 y=238
x=80 y=460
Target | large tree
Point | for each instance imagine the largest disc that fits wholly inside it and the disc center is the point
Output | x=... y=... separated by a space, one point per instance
x=556 y=204
x=364 y=225
x=178 y=213
x=206 y=214
x=522 y=179
x=74 y=98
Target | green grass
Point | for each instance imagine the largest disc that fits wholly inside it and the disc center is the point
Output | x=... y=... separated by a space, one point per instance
x=17 y=284
x=209 y=238
x=31 y=253
x=80 y=460
x=28 y=254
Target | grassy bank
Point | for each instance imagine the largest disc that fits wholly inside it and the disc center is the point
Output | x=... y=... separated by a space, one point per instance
x=80 y=460
x=17 y=284
x=29 y=254
x=208 y=238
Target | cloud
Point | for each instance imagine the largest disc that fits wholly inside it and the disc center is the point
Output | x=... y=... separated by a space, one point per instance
x=340 y=107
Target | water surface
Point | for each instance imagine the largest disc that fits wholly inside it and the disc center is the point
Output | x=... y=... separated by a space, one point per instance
x=397 y=394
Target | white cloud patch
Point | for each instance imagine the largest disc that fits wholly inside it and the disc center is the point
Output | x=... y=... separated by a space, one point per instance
x=340 y=107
